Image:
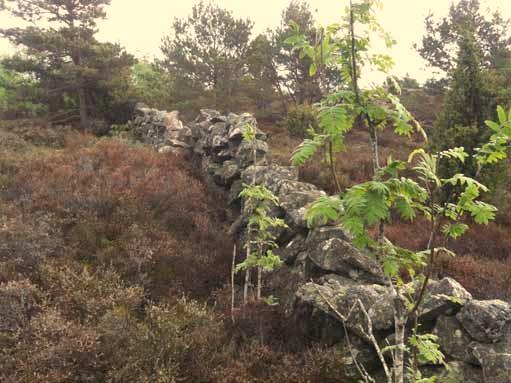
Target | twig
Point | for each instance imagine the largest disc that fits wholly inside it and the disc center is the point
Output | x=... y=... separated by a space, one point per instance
x=232 y=282
x=360 y=368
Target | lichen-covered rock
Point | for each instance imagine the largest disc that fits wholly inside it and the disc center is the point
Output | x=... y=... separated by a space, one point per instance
x=272 y=176
x=357 y=351
x=494 y=357
x=323 y=233
x=486 y=321
x=312 y=315
x=338 y=256
x=459 y=372
x=238 y=124
x=163 y=130
x=453 y=340
x=313 y=298
x=227 y=173
x=496 y=365
x=210 y=115
x=289 y=252
x=295 y=203
x=245 y=153
x=444 y=297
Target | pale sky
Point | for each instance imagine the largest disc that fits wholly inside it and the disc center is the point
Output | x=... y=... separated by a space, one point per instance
x=140 y=25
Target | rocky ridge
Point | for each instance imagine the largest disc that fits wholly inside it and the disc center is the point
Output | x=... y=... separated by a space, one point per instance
x=474 y=335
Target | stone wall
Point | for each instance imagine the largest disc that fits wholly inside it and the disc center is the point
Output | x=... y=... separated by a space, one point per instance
x=474 y=335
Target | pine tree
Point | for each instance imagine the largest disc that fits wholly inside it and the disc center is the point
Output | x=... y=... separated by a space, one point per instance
x=468 y=104
x=62 y=52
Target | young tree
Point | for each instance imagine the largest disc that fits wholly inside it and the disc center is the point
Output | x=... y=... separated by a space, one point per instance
x=293 y=67
x=367 y=208
x=258 y=202
x=442 y=37
x=62 y=51
x=19 y=96
x=349 y=107
x=207 y=52
x=151 y=84
x=262 y=83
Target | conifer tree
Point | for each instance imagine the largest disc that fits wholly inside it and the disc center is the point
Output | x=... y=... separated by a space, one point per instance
x=62 y=52
x=462 y=122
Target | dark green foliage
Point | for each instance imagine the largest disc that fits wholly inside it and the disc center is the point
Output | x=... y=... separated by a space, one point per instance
x=300 y=119
x=442 y=36
x=206 y=55
x=151 y=85
x=81 y=76
x=19 y=96
x=468 y=104
x=295 y=67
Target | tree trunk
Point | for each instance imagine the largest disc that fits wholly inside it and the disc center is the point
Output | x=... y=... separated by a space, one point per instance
x=84 y=112
x=233 y=270
x=259 y=282
x=399 y=327
x=245 y=287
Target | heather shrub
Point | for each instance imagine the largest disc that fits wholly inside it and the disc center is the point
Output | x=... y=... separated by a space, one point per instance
x=85 y=295
x=19 y=301
x=173 y=342
x=118 y=205
x=36 y=132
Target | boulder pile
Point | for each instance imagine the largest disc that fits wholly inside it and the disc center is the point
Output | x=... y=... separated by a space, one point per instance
x=474 y=335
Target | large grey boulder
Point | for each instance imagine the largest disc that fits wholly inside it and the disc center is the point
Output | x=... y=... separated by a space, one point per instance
x=245 y=153
x=314 y=299
x=237 y=125
x=291 y=250
x=486 y=321
x=312 y=315
x=210 y=115
x=272 y=176
x=321 y=234
x=163 y=130
x=444 y=297
x=296 y=203
x=348 y=355
x=495 y=358
x=496 y=365
x=338 y=256
x=454 y=340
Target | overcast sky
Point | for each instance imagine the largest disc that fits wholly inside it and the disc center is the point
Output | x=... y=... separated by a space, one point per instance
x=140 y=24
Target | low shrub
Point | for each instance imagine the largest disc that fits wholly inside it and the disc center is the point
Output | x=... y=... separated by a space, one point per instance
x=299 y=120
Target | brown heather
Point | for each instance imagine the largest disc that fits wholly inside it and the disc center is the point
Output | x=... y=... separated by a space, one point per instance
x=114 y=264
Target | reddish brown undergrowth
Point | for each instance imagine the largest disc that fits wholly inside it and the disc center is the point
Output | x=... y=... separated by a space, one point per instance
x=114 y=262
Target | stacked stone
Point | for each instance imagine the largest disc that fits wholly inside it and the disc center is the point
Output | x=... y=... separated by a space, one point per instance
x=474 y=335
x=161 y=129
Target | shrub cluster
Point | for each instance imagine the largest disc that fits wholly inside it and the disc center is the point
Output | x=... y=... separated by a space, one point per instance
x=300 y=119
x=106 y=252
x=97 y=241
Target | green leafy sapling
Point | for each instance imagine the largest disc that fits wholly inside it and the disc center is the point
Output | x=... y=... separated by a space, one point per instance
x=499 y=144
x=339 y=112
x=366 y=208
x=261 y=229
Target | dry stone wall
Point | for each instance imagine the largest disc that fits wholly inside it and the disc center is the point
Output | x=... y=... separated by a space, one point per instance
x=475 y=335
